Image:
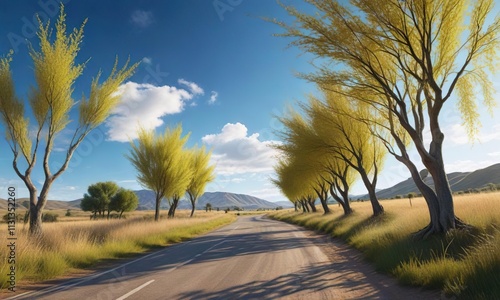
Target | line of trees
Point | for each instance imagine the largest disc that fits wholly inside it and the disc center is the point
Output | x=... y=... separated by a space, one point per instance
x=104 y=197
x=388 y=69
x=170 y=170
x=51 y=101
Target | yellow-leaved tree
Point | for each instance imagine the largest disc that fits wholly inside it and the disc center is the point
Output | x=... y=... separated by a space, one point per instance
x=202 y=174
x=407 y=59
x=349 y=139
x=51 y=102
x=290 y=182
x=161 y=163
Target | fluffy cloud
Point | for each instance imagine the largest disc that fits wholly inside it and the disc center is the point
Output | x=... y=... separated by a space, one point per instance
x=213 y=97
x=458 y=135
x=147 y=60
x=144 y=105
x=193 y=87
x=468 y=165
x=142 y=18
x=234 y=152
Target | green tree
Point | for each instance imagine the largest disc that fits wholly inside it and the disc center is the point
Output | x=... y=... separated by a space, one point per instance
x=51 y=102
x=203 y=173
x=123 y=201
x=161 y=163
x=208 y=207
x=89 y=204
x=98 y=197
x=406 y=60
x=411 y=196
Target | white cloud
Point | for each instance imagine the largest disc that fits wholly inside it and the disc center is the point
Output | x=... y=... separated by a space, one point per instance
x=467 y=165
x=142 y=18
x=269 y=194
x=234 y=152
x=193 y=87
x=144 y=105
x=458 y=135
x=213 y=97
x=147 y=60
x=232 y=180
x=494 y=154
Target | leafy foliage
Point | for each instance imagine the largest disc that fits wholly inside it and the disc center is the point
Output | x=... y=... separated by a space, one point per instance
x=123 y=201
x=51 y=100
x=202 y=174
x=161 y=163
x=98 y=197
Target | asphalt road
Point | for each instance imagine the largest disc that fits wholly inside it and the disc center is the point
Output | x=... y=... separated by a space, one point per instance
x=253 y=258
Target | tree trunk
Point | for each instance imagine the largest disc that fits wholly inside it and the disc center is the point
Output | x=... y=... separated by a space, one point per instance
x=324 y=204
x=173 y=207
x=312 y=204
x=157 y=207
x=192 y=209
x=305 y=208
x=446 y=217
x=296 y=205
x=193 y=204
x=121 y=213
x=35 y=220
x=376 y=207
x=344 y=203
x=36 y=206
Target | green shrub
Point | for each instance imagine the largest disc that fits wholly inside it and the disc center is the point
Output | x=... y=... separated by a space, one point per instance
x=49 y=217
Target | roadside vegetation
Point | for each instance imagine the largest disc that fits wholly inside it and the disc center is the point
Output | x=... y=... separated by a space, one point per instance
x=461 y=263
x=81 y=243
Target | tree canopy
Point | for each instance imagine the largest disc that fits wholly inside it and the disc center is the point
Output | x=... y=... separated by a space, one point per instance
x=402 y=61
x=51 y=101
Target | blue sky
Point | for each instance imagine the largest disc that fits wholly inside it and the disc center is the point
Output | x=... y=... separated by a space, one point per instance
x=213 y=66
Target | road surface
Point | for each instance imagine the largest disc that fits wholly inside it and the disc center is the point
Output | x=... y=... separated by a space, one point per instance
x=253 y=258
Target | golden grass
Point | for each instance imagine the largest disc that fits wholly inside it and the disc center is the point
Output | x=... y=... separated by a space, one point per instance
x=65 y=246
x=464 y=264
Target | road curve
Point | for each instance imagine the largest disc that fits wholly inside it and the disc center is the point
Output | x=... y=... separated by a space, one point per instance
x=253 y=258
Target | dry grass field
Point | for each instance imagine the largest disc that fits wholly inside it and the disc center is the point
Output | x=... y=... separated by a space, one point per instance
x=463 y=264
x=76 y=242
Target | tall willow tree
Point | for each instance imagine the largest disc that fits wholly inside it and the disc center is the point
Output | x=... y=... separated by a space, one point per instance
x=161 y=163
x=203 y=173
x=407 y=59
x=305 y=151
x=349 y=140
x=322 y=167
x=51 y=102
x=292 y=185
x=181 y=176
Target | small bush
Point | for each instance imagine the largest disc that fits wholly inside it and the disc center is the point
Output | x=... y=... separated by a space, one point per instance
x=49 y=217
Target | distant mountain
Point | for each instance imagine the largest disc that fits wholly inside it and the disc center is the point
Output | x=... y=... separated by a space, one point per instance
x=51 y=204
x=284 y=203
x=220 y=200
x=459 y=181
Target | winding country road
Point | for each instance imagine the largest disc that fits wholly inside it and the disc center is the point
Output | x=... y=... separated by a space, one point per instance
x=253 y=258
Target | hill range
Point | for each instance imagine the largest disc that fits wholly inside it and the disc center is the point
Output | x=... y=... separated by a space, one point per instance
x=459 y=181
x=221 y=200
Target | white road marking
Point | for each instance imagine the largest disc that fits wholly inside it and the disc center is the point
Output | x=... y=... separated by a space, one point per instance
x=63 y=287
x=135 y=290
